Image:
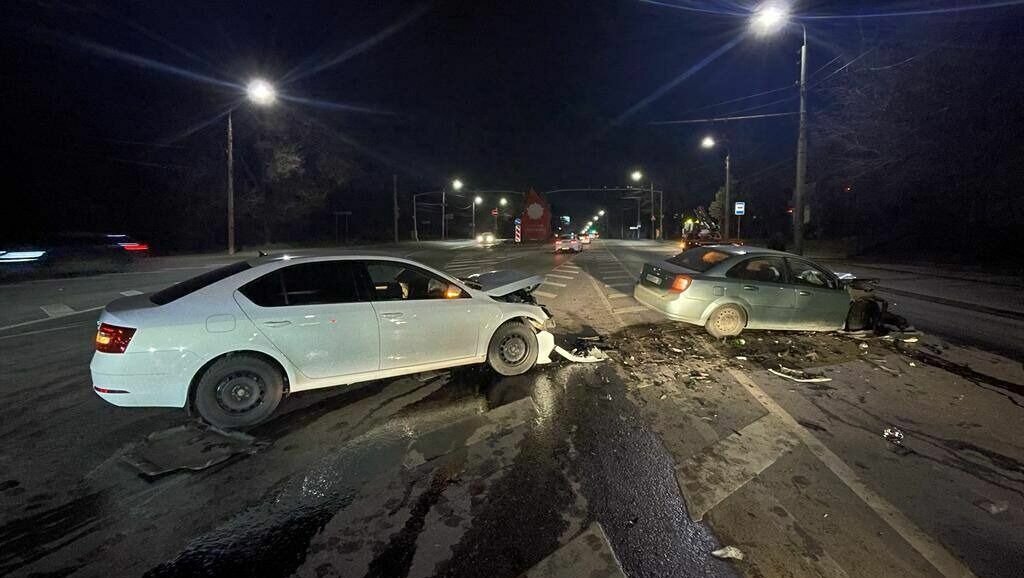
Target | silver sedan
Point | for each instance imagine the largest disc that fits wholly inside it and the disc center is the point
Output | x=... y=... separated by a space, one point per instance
x=728 y=288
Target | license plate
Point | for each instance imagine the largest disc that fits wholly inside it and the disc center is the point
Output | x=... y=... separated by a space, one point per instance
x=654 y=279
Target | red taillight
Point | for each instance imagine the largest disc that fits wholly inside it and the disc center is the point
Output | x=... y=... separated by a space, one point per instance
x=113 y=339
x=680 y=283
x=134 y=246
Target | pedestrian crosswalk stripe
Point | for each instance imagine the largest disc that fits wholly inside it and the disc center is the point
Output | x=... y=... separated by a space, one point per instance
x=552 y=283
x=58 y=309
x=559 y=276
x=131 y=293
x=618 y=284
x=634 y=309
x=617 y=295
x=544 y=295
x=610 y=277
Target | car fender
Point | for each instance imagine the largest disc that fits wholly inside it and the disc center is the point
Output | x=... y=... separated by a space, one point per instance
x=255 y=343
x=533 y=314
x=725 y=300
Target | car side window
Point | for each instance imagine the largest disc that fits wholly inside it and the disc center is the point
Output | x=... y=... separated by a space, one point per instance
x=763 y=269
x=804 y=273
x=393 y=281
x=318 y=283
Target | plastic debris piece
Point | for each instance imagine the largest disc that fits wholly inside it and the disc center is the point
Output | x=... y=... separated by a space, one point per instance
x=863 y=345
x=893 y=435
x=997 y=507
x=675 y=350
x=910 y=340
x=728 y=553
x=799 y=375
x=592 y=356
x=663 y=396
x=741 y=357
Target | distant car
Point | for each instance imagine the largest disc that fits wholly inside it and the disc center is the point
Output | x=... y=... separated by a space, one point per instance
x=568 y=243
x=585 y=239
x=485 y=238
x=232 y=342
x=729 y=288
x=71 y=252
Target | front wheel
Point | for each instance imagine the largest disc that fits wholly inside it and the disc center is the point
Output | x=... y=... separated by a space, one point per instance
x=513 y=349
x=726 y=321
x=239 y=391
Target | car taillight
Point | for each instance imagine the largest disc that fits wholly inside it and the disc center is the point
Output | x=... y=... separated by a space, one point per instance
x=680 y=283
x=134 y=246
x=113 y=339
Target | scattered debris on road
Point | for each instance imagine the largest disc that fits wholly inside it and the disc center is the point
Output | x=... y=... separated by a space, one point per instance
x=893 y=435
x=991 y=507
x=193 y=446
x=799 y=375
x=728 y=553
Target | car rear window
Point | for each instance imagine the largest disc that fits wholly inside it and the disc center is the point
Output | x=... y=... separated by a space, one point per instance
x=699 y=258
x=179 y=290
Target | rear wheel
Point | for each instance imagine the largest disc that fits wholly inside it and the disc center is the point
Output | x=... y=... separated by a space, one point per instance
x=513 y=349
x=726 y=321
x=239 y=391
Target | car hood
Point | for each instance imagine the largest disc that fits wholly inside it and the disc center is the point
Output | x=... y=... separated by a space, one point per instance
x=504 y=282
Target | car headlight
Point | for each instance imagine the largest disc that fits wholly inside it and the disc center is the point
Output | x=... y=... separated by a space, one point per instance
x=479 y=238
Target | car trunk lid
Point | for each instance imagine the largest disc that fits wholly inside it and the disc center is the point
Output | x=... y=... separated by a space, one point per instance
x=660 y=275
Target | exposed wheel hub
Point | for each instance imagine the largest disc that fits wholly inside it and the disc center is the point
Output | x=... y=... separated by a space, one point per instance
x=240 y=392
x=513 y=349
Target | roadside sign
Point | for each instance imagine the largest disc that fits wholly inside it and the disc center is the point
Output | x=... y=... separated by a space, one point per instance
x=740 y=208
x=494 y=212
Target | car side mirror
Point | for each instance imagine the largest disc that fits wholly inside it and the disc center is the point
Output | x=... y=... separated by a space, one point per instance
x=452 y=292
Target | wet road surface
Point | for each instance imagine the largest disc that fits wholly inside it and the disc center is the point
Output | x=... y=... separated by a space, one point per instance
x=462 y=473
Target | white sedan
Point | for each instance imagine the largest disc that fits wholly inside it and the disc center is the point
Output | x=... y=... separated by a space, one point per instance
x=232 y=342
x=568 y=243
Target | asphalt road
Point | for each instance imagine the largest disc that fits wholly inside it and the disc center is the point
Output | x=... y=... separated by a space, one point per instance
x=641 y=465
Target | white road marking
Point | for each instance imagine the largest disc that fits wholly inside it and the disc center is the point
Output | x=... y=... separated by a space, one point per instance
x=618 y=295
x=560 y=276
x=544 y=294
x=52 y=329
x=716 y=473
x=613 y=285
x=946 y=563
x=633 y=309
x=34 y=321
x=131 y=293
x=553 y=284
x=56 y=309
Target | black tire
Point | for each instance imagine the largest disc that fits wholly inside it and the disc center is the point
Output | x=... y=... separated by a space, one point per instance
x=239 y=391
x=726 y=321
x=513 y=349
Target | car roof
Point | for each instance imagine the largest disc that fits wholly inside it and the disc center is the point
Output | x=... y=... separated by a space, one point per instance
x=741 y=250
x=325 y=255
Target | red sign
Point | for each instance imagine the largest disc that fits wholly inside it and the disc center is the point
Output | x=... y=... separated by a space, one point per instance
x=536 y=217
x=494 y=212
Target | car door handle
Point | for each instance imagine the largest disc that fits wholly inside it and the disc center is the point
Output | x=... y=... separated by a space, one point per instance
x=277 y=323
x=804 y=293
x=394 y=315
x=750 y=287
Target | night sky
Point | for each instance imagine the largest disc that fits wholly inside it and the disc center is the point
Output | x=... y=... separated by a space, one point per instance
x=102 y=97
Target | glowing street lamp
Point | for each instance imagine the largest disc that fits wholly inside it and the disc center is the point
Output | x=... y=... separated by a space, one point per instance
x=636 y=176
x=601 y=212
x=768 y=18
x=260 y=92
x=457 y=185
x=503 y=201
x=708 y=142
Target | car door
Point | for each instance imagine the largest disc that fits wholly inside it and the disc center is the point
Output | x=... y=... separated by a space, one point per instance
x=318 y=314
x=423 y=318
x=761 y=282
x=821 y=301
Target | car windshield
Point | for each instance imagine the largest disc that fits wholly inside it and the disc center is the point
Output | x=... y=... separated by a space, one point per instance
x=699 y=259
x=179 y=290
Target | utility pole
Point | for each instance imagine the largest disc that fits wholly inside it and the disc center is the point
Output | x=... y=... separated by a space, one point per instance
x=653 y=232
x=394 y=200
x=231 y=188
x=661 y=215
x=801 y=157
x=444 y=194
x=725 y=200
x=415 y=223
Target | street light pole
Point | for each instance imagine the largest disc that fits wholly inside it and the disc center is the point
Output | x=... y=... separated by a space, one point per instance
x=231 y=187
x=801 y=156
x=726 y=229
x=444 y=197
